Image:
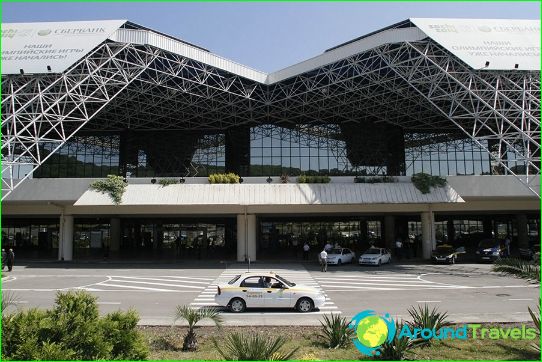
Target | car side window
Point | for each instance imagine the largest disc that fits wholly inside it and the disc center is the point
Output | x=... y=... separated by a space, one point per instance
x=252 y=282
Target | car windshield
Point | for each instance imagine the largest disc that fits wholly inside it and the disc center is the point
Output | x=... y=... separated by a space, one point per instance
x=488 y=243
x=444 y=248
x=234 y=279
x=373 y=251
x=288 y=283
x=335 y=251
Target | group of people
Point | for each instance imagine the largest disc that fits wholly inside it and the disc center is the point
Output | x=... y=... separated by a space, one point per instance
x=8 y=259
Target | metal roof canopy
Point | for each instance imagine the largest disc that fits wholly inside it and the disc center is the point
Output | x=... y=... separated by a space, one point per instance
x=145 y=80
x=264 y=194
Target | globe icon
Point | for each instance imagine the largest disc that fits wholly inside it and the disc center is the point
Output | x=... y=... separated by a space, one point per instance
x=372 y=331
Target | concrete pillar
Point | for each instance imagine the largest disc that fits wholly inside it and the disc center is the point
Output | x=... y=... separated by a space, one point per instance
x=115 y=234
x=523 y=236
x=246 y=237
x=428 y=234
x=389 y=231
x=67 y=238
x=487 y=225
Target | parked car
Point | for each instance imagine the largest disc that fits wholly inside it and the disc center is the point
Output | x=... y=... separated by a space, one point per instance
x=446 y=254
x=340 y=256
x=267 y=290
x=375 y=256
x=490 y=250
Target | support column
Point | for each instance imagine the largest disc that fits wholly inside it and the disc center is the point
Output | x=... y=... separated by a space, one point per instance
x=389 y=231
x=67 y=238
x=428 y=234
x=246 y=237
x=523 y=236
x=115 y=234
x=487 y=226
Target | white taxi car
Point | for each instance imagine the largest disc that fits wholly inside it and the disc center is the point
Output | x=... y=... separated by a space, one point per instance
x=375 y=256
x=267 y=290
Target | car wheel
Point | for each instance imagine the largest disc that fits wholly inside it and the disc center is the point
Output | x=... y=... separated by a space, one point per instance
x=237 y=305
x=339 y=262
x=304 y=305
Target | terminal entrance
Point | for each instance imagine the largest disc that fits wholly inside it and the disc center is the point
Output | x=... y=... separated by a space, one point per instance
x=284 y=238
x=173 y=239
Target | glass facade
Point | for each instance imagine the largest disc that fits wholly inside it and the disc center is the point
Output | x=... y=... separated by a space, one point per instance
x=31 y=238
x=273 y=151
x=310 y=150
x=448 y=158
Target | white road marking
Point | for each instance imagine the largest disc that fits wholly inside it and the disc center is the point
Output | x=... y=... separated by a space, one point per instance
x=20 y=301
x=134 y=287
x=428 y=301
x=518 y=299
x=160 y=279
x=160 y=284
x=107 y=302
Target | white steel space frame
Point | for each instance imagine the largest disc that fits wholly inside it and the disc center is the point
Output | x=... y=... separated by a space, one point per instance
x=417 y=85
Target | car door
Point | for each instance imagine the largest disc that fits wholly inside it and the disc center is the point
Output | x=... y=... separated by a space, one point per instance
x=278 y=295
x=252 y=291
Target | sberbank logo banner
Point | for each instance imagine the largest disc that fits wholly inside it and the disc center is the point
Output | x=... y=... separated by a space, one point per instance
x=373 y=331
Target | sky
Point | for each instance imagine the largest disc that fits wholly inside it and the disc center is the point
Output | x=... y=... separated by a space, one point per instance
x=265 y=36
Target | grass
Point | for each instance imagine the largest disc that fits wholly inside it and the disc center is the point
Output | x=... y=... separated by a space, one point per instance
x=166 y=343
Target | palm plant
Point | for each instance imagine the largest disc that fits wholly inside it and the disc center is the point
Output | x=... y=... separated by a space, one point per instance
x=398 y=348
x=192 y=317
x=520 y=268
x=536 y=320
x=240 y=347
x=335 y=331
x=423 y=318
x=8 y=299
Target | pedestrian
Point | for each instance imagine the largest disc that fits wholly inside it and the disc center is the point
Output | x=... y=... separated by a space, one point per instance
x=507 y=245
x=398 y=248
x=328 y=247
x=10 y=259
x=4 y=255
x=306 y=249
x=323 y=260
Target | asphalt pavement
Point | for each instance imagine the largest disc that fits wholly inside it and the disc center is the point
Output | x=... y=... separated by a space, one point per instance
x=467 y=292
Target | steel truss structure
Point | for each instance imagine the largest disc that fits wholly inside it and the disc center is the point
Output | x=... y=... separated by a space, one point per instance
x=418 y=87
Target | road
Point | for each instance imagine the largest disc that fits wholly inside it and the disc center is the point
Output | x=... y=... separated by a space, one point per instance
x=468 y=292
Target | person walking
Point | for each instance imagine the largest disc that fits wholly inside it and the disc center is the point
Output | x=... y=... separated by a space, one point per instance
x=323 y=260
x=306 y=249
x=507 y=246
x=398 y=248
x=10 y=259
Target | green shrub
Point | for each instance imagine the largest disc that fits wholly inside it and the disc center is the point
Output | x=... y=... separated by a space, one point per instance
x=120 y=329
x=223 y=178
x=335 y=332
x=424 y=182
x=374 y=179
x=113 y=185
x=254 y=347
x=73 y=329
x=168 y=181
x=536 y=321
x=307 y=179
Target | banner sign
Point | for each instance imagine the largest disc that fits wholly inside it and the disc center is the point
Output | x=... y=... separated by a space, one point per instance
x=501 y=42
x=33 y=47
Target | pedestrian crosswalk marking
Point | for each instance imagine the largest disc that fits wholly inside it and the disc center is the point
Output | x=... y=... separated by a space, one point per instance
x=158 y=283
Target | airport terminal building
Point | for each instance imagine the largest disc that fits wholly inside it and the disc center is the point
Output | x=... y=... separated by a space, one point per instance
x=456 y=98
